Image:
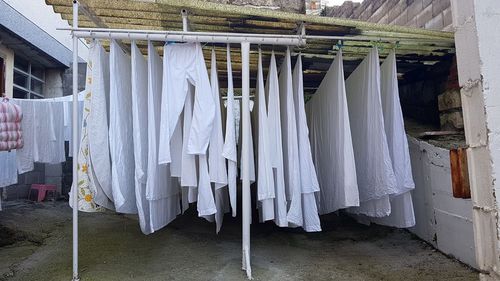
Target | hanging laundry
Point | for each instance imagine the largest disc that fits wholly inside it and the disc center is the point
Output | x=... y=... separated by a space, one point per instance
x=140 y=126
x=331 y=142
x=217 y=162
x=162 y=190
x=68 y=121
x=25 y=160
x=229 y=149
x=8 y=171
x=98 y=62
x=120 y=131
x=203 y=193
x=11 y=134
x=48 y=132
x=189 y=171
x=239 y=128
x=376 y=180
x=184 y=69
x=218 y=170
x=308 y=179
x=402 y=214
x=99 y=162
x=186 y=65
x=279 y=204
x=265 y=178
x=290 y=143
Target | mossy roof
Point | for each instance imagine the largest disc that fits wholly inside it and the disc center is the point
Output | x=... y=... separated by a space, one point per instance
x=415 y=47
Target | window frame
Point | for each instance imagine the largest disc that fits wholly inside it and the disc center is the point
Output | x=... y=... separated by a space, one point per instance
x=30 y=77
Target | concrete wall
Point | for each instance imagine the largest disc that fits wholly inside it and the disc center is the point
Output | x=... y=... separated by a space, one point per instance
x=430 y=14
x=442 y=220
x=53 y=86
x=8 y=56
x=477 y=39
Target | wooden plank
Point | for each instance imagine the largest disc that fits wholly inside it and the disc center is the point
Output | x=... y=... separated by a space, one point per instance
x=459 y=173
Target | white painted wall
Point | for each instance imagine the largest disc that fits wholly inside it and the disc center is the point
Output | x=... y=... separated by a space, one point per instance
x=44 y=16
x=477 y=40
x=442 y=220
x=8 y=56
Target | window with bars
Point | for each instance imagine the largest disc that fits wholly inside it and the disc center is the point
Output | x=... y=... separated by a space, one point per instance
x=28 y=80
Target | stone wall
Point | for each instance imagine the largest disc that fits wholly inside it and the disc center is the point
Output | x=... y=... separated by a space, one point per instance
x=430 y=14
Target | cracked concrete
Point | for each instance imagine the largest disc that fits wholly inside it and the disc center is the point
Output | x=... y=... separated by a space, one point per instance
x=113 y=248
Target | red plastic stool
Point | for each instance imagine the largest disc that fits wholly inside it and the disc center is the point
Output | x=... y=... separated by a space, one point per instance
x=42 y=190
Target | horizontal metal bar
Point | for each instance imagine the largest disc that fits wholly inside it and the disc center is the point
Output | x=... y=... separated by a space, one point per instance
x=179 y=36
x=371 y=38
x=237 y=97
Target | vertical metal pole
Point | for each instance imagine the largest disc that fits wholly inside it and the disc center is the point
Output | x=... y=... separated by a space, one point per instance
x=184 y=14
x=245 y=151
x=75 y=144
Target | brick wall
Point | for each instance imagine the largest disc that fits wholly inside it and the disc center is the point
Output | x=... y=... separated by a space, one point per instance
x=430 y=14
x=435 y=100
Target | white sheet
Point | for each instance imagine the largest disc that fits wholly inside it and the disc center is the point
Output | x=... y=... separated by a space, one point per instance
x=279 y=203
x=217 y=162
x=97 y=125
x=402 y=214
x=376 y=178
x=331 y=142
x=140 y=125
x=229 y=149
x=164 y=206
x=265 y=178
x=68 y=121
x=86 y=189
x=121 y=131
x=290 y=143
x=8 y=172
x=25 y=160
x=239 y=139
x=308 y=179
x=48 y=132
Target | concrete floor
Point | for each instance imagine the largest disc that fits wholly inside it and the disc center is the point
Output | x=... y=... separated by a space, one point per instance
x=35 y=244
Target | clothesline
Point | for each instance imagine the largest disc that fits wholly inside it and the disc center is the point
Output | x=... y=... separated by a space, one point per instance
x=196 y=144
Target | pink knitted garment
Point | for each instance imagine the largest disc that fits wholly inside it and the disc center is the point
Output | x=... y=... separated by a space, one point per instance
x=11 y=136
